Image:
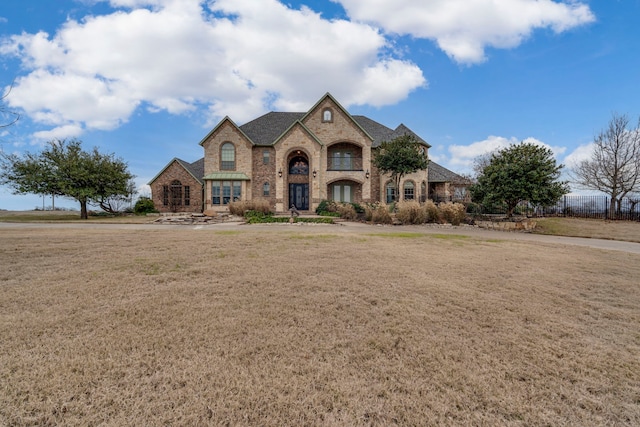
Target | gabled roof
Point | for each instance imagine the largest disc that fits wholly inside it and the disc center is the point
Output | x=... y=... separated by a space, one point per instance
x=381 y=133
x=403 y=130
x=306 y=129
x=344 y=110
x=438 y=173
x=226 y=119
x=266 y=129
x=195 y=169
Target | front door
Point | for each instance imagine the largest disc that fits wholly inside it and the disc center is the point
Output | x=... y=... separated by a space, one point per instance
x=299 y=196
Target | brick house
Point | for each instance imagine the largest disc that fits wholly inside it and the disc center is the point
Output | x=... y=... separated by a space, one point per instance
x=178 y=187
x=293 y=159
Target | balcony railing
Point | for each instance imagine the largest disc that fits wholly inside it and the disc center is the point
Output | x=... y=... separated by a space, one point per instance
x=342 y=163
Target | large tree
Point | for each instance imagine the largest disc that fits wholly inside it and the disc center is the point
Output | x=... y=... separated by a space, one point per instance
x=399 y=157
x=63 y=168
x=614 y=165
x=518 y=173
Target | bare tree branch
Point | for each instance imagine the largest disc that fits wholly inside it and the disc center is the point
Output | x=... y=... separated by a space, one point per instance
x=8 y=117
x=614 y=165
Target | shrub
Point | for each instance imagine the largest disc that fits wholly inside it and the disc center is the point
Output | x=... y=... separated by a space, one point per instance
x=143 y=206
x=240 y=208
x=368 y=211
x=453 y=213
x=255 y=217
x=332 y=214
x=410 y=212
x=358 y=208
x=380 y=214
x=323 y=207
x=474 y=208
x=347 y=211
x=327 y=206
x=431 y=211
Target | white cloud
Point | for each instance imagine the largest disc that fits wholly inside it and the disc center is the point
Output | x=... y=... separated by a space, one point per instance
x=583 y=152
x=464 y=28
x=62 y=132
x=224 y=57
x=463 y=156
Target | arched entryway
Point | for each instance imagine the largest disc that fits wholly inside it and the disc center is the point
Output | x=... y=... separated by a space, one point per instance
x=298 y=180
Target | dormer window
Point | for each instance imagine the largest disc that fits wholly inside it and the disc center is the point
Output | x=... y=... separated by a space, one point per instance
x=327 y=115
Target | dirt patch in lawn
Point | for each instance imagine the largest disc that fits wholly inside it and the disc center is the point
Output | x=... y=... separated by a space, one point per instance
x=312 y=327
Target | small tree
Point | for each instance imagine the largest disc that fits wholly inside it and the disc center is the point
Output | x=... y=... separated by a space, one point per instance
x=522 y=172
x=399 y=157
x=64 y=169
x=614 y=165
x=144 y=205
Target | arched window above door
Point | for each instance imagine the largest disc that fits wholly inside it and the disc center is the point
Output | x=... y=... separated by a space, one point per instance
x=298 y=166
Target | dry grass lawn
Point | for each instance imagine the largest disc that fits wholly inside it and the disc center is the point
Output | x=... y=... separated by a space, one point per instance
x=276 y=326
x=593 y=228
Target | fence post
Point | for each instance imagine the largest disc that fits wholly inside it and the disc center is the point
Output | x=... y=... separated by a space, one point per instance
x=606 y=208
x=564 y=207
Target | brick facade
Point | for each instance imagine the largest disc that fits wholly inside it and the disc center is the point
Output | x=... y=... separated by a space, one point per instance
x=266 y=148
x=176 y=172
x=264 y=171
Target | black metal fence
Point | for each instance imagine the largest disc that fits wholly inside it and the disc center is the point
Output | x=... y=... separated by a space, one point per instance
x=572 y=206
x=593 y=207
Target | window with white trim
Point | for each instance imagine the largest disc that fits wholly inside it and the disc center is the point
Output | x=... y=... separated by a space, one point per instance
x=224 y=192
x=409 y=190
x=227 y=157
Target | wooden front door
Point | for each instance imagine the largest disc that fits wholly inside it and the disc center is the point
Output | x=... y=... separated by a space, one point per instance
x=299 y=196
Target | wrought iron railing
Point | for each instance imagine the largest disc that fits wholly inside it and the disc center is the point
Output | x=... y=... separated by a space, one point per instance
x=342 y=163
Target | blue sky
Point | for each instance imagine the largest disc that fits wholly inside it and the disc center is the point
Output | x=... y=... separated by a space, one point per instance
x=147 y=79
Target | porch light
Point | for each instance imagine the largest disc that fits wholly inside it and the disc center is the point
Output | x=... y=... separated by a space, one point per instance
x=366 y=175
x=314 y=173
x=280 y=173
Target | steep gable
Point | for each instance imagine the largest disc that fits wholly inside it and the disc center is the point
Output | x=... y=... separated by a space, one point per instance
x=195 y=169
x=266 y=129
x=381 y=133
x=220 y=126
x=314 y=121
x=298 y=124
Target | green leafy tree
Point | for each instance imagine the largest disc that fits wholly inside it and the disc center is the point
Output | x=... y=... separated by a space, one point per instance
x=399 y=157
x=521 y=172
x=64 y=169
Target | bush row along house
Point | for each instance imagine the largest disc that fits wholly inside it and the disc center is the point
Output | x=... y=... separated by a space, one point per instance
x=295 y=159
